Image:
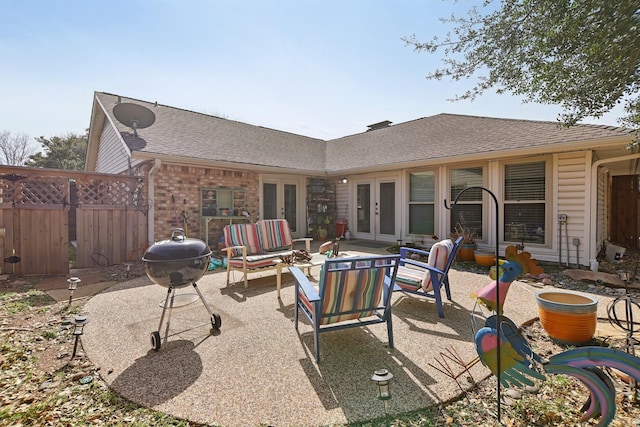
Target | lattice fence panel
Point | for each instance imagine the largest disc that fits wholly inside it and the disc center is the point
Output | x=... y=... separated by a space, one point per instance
x=34 y=190
x=112 y=192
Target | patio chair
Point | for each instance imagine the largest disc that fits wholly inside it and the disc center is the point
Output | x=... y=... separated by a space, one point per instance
x=427 y=279
x=351 y=292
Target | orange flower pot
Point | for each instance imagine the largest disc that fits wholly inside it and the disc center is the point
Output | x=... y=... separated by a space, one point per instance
x=567 y=317
x=466 y=252
x=485 y=258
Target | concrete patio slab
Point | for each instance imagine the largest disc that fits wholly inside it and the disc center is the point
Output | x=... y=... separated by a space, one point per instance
x=258 y=370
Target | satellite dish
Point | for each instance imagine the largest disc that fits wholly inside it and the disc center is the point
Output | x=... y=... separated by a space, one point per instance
x=134 y=116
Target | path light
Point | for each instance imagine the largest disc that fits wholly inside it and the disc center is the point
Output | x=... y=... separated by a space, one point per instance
x=73 y=285
x=128 y=265
x=78 y=329
x=382 y=377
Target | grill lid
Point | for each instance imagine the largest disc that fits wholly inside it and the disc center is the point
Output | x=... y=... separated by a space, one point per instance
x=178 y=247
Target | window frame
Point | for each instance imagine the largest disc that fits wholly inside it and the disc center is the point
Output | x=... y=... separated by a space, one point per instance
x=433 y=203
x=548 y=206
x=482 y=202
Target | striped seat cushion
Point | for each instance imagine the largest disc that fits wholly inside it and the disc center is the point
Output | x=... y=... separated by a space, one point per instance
x=409 y=278
x=258 y=261
x=274 y=234
x=348 y=295
x=253 y=262
x=242 y=235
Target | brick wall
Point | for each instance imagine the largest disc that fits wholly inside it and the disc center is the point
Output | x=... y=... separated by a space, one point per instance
x=183 y=183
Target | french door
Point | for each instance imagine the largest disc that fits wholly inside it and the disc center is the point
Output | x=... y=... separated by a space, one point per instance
x=281 y=199
x=376 y=209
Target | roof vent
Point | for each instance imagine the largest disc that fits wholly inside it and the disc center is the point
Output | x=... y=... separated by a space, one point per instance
x=380 y=125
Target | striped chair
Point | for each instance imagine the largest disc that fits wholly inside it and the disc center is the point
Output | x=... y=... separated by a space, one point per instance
x=427 y=279
x=351 y=292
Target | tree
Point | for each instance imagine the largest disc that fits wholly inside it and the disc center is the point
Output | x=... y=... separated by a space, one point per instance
x=583 y=55
x=67 y=152
x=15 y=149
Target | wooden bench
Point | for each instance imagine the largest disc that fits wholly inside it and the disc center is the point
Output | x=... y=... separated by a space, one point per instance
x=255 y=247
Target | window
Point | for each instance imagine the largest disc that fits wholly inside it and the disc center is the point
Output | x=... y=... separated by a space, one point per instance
x=468 y=210
x=215 y=202
x=525 y=203
x=421 y=203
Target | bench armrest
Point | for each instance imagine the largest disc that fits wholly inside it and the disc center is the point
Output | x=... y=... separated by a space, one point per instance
x=306 y=240
x=229 y=249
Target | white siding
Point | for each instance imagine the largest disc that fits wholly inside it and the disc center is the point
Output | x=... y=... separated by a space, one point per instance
x=112 y=155
x=601 y=211
x=573 y=201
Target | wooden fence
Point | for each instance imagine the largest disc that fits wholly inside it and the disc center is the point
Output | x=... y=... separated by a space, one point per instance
x=37 y=206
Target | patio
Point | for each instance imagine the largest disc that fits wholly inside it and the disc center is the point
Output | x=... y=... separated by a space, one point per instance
x=257 y=370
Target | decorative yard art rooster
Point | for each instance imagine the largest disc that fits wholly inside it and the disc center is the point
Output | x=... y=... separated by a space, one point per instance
x=515 y=264
x=505 y=351
x=519 y=365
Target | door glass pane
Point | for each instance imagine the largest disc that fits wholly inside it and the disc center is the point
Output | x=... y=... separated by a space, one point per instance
x=364 y=208
x=269 y=206
x=290 y=201
x=388 y=208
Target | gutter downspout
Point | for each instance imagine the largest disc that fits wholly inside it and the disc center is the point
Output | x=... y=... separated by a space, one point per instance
x=592 y=251
x=151 y=191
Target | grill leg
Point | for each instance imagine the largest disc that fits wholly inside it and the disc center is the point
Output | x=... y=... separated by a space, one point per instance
x=164 y=307
x=171 y=293
x=216 y=321
x=195 y=286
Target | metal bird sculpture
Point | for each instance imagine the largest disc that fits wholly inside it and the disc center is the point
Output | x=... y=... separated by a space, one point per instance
x=516 y=263
x=493 y=299
x=520 y=365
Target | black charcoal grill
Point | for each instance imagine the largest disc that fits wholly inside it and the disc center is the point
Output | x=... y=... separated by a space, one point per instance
x=176 y=263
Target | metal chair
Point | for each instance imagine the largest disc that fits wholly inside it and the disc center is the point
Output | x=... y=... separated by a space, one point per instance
x=351 y=292
x=427 y=279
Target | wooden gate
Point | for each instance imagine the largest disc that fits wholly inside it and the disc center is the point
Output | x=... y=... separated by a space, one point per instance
x=34 y=220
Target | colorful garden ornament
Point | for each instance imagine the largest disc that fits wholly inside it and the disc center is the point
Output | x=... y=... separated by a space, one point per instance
x=505 y=351
x=516 y=263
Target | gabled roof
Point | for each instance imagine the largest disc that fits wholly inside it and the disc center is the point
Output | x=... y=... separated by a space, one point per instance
x=183 y=133
x=429 y=140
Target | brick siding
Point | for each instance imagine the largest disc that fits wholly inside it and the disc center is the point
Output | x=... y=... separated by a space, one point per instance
x=183 y=183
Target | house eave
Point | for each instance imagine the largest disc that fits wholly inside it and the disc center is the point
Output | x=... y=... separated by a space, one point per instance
x=143 y=156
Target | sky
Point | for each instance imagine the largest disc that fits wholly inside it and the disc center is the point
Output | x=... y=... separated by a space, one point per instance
x=320 y=68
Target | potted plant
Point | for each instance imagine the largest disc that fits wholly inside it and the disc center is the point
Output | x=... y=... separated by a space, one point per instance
x=468 y=245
